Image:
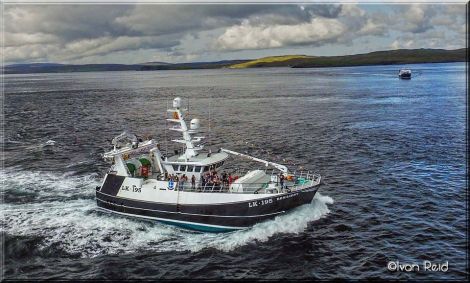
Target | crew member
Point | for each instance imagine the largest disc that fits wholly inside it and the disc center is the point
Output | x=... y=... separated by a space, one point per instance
x=193 y=182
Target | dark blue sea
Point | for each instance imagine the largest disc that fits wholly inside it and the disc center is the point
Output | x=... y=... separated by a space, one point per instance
x=392 y=154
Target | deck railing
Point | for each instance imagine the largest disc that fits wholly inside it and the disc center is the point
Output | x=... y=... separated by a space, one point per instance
x=297 y=182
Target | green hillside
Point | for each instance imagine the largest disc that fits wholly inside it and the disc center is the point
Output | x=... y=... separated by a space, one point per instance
x=272 y=61
x=402 y=56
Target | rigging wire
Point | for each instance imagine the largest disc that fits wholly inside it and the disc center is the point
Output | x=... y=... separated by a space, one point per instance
x=210 y=129
x=166 y=128
x=186 y=117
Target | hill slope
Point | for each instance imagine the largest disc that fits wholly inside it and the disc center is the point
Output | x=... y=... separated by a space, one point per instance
x=272 y=61
x=402 y=56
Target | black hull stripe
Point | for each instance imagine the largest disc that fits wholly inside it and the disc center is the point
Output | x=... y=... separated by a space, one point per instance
x=207 y=214
x=210 y=220
x=264 y=206
x=175 y=221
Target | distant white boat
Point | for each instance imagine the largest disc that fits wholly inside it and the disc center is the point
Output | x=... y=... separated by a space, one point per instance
x=49 y=143
x=404 y=74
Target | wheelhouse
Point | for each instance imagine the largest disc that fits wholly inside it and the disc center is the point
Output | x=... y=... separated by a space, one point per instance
x=196 y=165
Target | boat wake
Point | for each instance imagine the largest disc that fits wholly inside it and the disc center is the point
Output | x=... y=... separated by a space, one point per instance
x=296 y=221
x=62 y=212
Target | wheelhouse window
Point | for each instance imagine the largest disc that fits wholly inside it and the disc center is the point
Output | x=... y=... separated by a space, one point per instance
x=198 y=169
x=175 y=167
x=183 y=168
x=190 y=168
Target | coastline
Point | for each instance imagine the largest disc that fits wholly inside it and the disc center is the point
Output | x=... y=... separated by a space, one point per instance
x=390 y=57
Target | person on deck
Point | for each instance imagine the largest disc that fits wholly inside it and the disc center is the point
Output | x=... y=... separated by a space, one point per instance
x=193 y=182
x=281 y=180
x=177 y=180
x=183 y=180
x=203 y=181
x=224 y=179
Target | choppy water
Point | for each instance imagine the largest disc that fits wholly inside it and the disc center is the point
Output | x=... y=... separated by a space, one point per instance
x=391 y=153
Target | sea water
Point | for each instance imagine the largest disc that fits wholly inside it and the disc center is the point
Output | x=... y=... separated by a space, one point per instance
x=391 y=154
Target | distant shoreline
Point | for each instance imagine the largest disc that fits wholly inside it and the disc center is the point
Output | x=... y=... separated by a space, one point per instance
x=391 y=57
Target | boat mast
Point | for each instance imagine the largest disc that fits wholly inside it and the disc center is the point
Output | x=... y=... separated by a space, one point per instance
x=188 y=141
x=166 y=137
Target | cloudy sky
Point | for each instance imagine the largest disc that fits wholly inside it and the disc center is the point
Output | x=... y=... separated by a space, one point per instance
x=185 y=33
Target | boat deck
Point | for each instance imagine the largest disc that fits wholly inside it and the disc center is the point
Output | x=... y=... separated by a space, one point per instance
x=297 y=182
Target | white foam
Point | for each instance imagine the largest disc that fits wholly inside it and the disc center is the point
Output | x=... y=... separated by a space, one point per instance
x=75 y=225
x=49 y=184
x=293 y=222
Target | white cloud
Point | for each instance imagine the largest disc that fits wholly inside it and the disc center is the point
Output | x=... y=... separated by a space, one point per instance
x=89 y=33
x=103 y=45
x=30 y=52
x=372 y=27
x=246 y=36
x=415 y=18
x=439 y=38
x=19 y=39
x=397 y=44
x=349 y=23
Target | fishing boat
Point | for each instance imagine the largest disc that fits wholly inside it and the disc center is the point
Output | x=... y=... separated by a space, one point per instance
x=188 y=189
x=404 y=74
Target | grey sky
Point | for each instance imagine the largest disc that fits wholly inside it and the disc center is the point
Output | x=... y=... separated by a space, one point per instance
x=182 y=33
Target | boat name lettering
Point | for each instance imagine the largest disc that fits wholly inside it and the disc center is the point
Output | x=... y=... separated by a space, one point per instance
x=287 y=196
x=260 y=202
x=135 y=189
